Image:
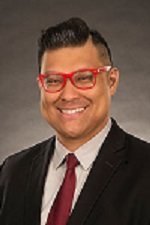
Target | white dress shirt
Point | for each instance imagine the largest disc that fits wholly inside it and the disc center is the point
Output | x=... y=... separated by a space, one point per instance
x=86 y=155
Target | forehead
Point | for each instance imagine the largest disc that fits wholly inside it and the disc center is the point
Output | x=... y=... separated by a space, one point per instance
x=71 y=58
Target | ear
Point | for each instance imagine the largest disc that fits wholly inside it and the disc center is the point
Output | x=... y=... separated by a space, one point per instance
x=113 y=79
x=39 y=83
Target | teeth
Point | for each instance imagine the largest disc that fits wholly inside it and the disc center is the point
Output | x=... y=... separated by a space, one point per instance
x=72 y=111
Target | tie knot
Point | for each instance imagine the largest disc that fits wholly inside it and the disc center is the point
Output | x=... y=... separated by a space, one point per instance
x=71 y=161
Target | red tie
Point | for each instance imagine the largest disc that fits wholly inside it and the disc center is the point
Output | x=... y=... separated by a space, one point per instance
x=61 y=208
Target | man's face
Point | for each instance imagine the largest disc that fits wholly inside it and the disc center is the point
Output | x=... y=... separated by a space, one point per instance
x=77 y=115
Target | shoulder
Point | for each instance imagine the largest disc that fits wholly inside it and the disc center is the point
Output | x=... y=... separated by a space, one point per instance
x=137 y=142
x=25 y=157
x=130 y=138
x=138 y=150
x=132 y=145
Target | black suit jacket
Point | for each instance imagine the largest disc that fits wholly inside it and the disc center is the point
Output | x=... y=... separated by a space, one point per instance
x=117 y=190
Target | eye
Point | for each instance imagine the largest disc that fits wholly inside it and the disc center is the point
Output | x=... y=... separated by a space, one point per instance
x=52 y=80
x=86 y=76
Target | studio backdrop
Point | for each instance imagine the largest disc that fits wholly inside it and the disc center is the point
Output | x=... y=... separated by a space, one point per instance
x=126 y=26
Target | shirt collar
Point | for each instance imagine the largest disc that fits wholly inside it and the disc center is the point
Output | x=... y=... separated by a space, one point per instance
x=85 y=154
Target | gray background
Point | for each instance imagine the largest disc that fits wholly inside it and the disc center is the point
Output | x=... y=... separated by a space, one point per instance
x=125 y=25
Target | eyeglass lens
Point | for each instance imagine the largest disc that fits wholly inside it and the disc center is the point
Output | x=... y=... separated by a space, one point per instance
x=81 y=79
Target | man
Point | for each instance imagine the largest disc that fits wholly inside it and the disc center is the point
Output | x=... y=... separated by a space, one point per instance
x=110 y=182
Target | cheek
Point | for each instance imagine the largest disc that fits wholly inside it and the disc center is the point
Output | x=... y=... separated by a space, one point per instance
x=47 y=99
x=46 y=103
x=102 y=100
x=102 y=92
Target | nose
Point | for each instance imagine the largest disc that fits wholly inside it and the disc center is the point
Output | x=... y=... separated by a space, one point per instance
x=69 y=92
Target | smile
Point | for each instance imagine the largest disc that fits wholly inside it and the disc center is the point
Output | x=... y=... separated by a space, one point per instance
x=72 y=111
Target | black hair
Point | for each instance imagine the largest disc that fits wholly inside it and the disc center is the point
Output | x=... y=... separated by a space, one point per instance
x=71 y=33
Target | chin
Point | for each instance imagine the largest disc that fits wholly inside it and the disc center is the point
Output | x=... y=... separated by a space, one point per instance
x=70 y=134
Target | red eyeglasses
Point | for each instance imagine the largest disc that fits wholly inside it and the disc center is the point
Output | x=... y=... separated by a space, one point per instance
x=82 y=79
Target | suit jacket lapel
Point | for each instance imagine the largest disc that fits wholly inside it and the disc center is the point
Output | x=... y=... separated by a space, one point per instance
x=35 y=185
x=102 y=171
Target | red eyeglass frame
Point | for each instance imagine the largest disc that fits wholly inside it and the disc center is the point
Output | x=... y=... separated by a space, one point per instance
x=69 y=75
